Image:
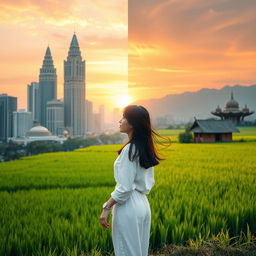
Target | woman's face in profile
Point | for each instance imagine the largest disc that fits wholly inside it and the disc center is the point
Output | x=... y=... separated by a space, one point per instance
x=124 y=125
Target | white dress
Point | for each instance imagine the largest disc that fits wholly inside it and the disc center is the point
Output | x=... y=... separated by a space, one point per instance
x=131 y=215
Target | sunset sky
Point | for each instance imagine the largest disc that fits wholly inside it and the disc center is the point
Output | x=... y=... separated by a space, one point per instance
x=177 y=46
x=28 y=26
x=174 y=46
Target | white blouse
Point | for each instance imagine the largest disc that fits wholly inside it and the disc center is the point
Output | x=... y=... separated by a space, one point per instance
x=129 y=175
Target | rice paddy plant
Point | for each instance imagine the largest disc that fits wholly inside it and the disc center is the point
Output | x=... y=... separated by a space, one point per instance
x=51 y=203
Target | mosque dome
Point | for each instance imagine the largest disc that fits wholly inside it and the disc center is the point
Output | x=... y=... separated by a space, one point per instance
x=38 y=131
x=232 y=104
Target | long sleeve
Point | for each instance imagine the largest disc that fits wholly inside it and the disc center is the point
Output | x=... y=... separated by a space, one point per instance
x=125 y=178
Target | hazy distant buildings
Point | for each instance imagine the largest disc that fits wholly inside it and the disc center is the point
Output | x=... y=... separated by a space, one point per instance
x=88 y=116
x=74 y=91
x=33 y=101
x=22 y=122
x=116 y=116
x=47 y=85
x=164 y=121
x=55 y=116
x=8 y=104
x=97 y=122
x=102 y=116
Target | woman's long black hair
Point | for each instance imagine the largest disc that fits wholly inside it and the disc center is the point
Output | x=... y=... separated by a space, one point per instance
x=143 y=137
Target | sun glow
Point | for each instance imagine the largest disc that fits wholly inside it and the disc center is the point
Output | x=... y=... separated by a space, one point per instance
x=123 y=100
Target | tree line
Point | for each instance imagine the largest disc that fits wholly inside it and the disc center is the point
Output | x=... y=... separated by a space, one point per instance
x=11 y=150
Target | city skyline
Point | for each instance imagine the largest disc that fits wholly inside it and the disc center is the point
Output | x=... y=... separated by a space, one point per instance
x=37 y=25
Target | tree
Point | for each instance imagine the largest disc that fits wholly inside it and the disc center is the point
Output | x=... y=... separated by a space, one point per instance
x=185 y=137
x=11 y=151
x=38 y=147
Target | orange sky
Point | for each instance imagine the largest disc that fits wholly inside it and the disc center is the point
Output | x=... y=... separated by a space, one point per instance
x=174 y=46
x=28 y=26
x=177 y=46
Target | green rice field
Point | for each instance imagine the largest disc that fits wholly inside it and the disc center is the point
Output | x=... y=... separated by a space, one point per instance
x=53 y=201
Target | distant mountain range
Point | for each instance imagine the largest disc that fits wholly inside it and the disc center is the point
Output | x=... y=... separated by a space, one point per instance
x=199 y=104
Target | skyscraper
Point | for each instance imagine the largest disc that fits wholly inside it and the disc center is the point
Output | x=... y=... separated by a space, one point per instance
x=47 y=85
x=22 y=122
x=74 y=91
x=55 y=116
x=32 y=101
x=8 y=104
x=88 y=116
x=116 y=116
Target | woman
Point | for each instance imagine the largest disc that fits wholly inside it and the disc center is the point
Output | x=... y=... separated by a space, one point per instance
x=134 y=176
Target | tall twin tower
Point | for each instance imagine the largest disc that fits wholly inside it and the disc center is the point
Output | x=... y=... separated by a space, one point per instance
x=74 y=89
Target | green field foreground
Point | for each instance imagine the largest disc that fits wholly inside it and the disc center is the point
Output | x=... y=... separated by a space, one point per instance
x=52 y=202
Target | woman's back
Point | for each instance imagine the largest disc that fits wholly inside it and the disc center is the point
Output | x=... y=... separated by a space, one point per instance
x=131 y=216
x=143 y=178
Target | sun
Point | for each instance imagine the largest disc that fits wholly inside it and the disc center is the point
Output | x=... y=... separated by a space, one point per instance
x=123 y=100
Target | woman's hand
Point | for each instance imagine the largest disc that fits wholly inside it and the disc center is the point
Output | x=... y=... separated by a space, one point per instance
x=104 y=218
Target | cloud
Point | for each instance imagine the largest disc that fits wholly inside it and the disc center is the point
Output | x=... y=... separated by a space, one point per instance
x=193 y=43
x=165 y=70
x=62 y=13
x=192 y=23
